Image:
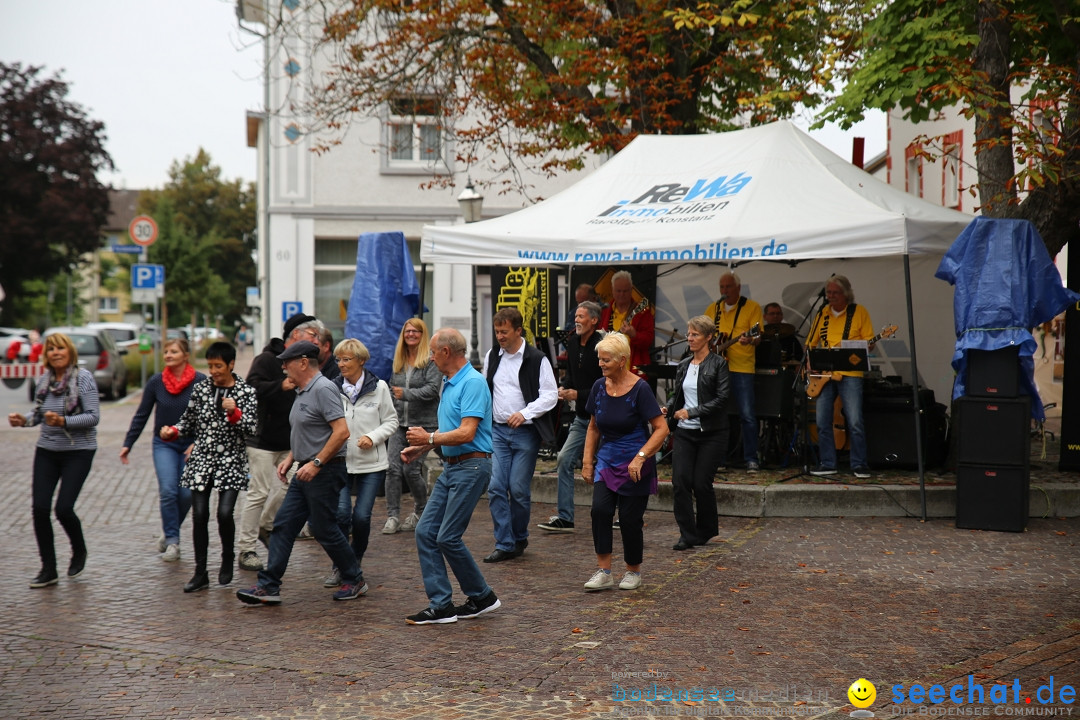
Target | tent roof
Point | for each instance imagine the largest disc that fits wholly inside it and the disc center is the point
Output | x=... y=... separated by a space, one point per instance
x=764 y=192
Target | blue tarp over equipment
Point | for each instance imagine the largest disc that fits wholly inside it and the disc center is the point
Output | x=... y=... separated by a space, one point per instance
x=384 y=295
x=1006 y=284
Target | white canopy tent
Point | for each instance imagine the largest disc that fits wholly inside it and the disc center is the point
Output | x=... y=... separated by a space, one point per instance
x=766 y=193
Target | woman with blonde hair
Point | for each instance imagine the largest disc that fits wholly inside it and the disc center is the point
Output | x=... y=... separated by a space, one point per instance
x=626 y=430
x=68 y=410
x=415 y=384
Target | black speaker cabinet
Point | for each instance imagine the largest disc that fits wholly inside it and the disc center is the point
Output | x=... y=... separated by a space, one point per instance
x=774 y=396
x=993 y=431
x=992 y=497
x=890 y=432
x=993 y=373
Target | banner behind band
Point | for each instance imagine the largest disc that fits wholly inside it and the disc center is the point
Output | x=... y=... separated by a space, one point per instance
x=530 y=290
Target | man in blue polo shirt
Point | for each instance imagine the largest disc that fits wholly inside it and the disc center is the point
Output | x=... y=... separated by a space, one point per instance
x=465 y=433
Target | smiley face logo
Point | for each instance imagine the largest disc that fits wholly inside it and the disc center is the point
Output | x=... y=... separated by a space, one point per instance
x=862 y=693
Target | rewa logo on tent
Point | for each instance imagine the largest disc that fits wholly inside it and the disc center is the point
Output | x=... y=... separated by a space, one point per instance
x=680 y=198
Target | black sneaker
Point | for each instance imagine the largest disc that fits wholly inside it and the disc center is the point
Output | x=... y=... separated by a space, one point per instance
x=863 y=473
x=615 y=524
x=46 y=577
x=557 y=524
x=822 y=471
x=78 y=563
x=475 y=607
x=258 y=595
x=432 y=616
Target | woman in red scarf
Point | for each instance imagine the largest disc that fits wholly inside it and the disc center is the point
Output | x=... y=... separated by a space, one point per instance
x=170 y=390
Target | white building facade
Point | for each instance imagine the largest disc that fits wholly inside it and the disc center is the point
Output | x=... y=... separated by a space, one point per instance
x=314 y=206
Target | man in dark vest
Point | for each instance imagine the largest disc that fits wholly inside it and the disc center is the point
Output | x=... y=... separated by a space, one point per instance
x=523 y=392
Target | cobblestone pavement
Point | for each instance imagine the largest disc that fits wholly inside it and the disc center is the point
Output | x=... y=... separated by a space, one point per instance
x=779 y=614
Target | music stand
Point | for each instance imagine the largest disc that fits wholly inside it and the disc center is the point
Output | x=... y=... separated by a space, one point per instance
x=839 y=360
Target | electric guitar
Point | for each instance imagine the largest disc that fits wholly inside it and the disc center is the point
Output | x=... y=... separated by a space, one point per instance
x=719 y=346
x=817 y=381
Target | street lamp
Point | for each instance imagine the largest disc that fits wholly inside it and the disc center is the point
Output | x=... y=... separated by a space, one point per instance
x=472 y=208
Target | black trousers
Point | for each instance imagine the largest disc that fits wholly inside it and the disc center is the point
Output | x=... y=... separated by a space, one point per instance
x=200 y=520
x=69 y=470
x=631 y=521
x=693 y=466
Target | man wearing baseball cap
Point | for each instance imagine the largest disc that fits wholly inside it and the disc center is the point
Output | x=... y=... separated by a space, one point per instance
x=270 y=443
x=317 y=440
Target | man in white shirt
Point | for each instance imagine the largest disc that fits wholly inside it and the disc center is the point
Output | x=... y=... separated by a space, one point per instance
x=523 y=391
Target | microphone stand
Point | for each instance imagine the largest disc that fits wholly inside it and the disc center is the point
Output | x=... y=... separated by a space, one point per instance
x=804 y=401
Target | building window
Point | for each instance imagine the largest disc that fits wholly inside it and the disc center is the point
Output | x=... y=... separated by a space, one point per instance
x=913 y=170
x=952 y=170
x=108 y=305
x=414 y=136
x=335 y=271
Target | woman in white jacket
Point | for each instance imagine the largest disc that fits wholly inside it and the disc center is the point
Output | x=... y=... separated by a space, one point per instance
x=370 y=414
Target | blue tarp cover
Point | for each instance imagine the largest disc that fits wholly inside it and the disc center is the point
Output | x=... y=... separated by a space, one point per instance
x=384 y=295
x=1006 y=284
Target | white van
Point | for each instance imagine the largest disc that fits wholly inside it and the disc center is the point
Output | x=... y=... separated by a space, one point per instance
x=126 y=335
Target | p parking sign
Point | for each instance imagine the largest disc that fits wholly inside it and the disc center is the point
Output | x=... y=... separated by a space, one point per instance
x=290 y=308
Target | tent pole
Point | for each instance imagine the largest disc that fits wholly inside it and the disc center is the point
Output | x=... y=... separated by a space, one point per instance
x=915 y=385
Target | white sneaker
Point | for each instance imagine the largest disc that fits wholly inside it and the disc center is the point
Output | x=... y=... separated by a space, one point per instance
x=630 y=581
x=392 y=526
x=410 y=523
x=161 y=546
x=171 y=554
x=600 y=580
x=333 y=579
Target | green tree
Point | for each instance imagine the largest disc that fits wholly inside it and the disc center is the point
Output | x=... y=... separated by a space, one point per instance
x=52 y=206
x=546 y=83
x=1006 y=63
x=205 y=239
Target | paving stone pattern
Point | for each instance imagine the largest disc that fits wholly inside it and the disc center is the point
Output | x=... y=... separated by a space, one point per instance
x=783 y=613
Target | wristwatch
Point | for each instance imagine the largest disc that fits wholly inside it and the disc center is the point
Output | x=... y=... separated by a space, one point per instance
x=431 y=439
x=317 y=462
x=641 y=454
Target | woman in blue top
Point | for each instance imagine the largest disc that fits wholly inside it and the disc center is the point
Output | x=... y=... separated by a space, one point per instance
x=625 y=431
x=68 y=411
x=169 y=391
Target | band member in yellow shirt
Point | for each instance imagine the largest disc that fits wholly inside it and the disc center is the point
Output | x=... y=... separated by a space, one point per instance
x=841 y=319
x=734 y=315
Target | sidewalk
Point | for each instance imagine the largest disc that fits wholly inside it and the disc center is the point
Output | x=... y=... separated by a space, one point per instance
x=780 y=615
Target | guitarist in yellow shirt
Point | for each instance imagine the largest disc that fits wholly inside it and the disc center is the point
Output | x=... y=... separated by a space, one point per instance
x=734 y=316
x=841 y=319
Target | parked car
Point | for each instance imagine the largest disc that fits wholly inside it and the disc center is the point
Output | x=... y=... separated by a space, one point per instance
x=99 y=354
x=126 y=335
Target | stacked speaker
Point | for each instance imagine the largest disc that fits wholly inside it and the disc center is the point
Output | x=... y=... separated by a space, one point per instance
x=993 y=442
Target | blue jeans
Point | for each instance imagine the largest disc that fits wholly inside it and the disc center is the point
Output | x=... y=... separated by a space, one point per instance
x=510 y=490
x=317 y=499
x=850 y=390
x=365 y=486
x=569 y=460
x=175 y=501
x=439 y=533
x=742 y=391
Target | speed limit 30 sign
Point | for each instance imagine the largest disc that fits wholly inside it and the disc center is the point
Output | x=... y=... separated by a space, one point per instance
x=143 y=230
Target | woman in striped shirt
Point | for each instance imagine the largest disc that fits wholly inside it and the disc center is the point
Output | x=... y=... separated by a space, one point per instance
x=68 y=411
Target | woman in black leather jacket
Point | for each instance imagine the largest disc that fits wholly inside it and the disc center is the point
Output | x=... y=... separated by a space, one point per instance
x=698 y=419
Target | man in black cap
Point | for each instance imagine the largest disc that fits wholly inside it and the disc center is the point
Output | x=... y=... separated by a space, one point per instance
x=317 y=458
x=270 y=443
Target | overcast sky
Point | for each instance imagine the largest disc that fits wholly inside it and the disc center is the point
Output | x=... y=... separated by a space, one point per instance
x=170 y=76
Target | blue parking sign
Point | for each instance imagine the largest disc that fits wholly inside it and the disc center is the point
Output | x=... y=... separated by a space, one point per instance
x=290 y=308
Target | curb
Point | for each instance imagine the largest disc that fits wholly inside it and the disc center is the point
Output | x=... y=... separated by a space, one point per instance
x=830 y=500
